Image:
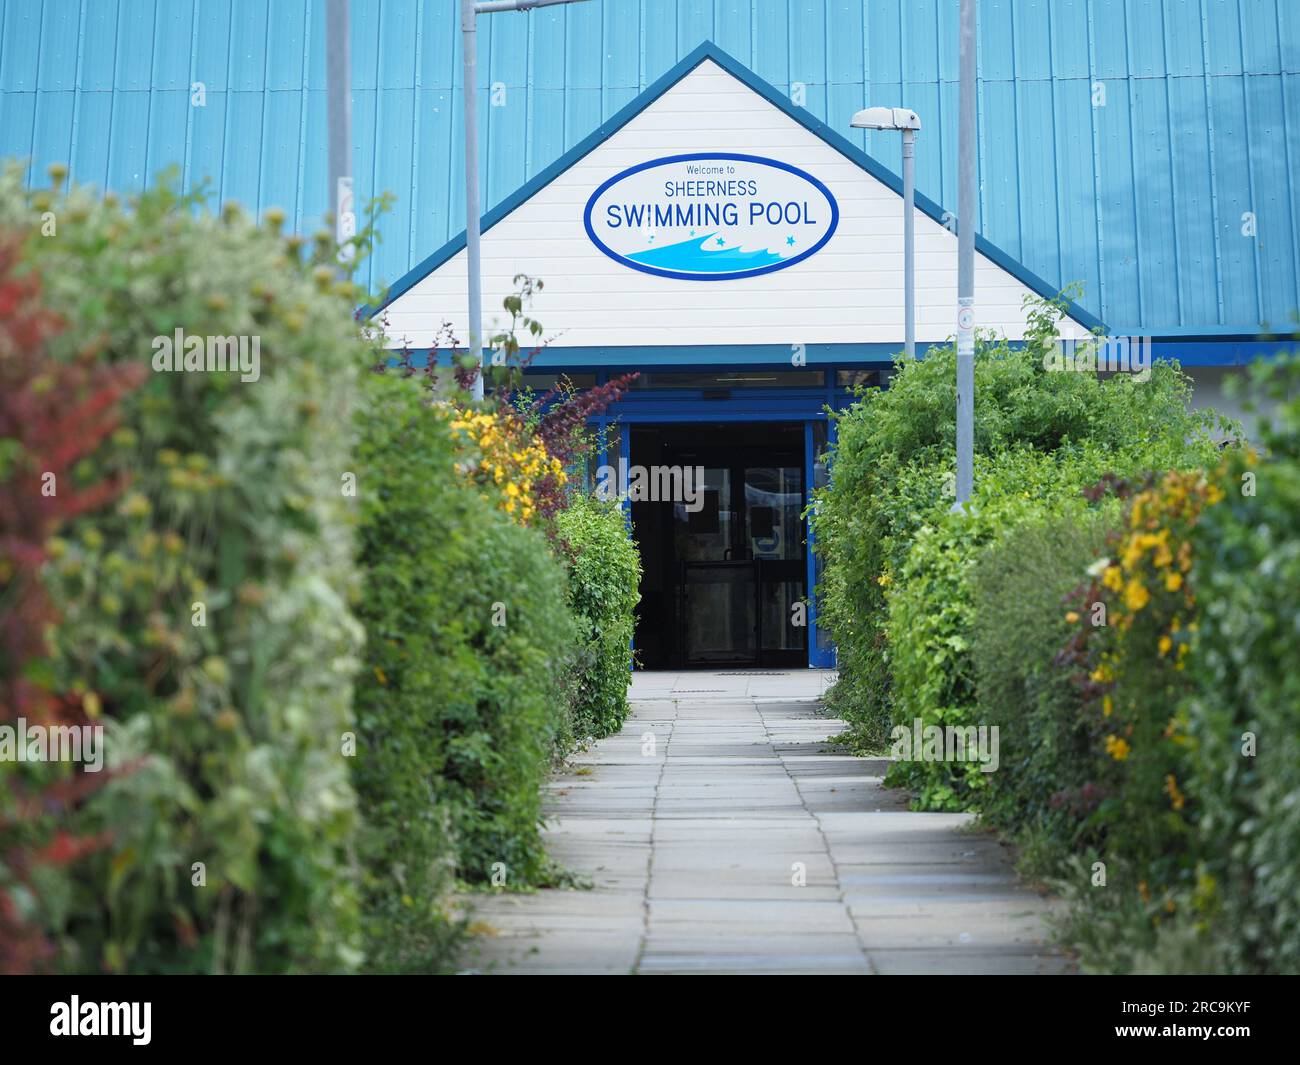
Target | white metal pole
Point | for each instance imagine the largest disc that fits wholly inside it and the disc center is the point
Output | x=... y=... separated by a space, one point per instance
x=470 y=48
x=338 y=70
x=909 y=240
x=966 y=259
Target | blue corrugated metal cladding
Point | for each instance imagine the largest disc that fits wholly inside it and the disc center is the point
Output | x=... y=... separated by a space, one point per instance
x=1147 y=148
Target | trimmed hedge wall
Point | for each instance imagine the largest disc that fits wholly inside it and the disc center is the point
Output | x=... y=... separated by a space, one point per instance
x=604 y=578
x=1122 y=608
x=331 y=637
x=459 y=701
x=204 y=618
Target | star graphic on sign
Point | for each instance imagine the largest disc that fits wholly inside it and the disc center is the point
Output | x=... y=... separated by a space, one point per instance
x=692 y=232
x=790 y=241
x=721 y=242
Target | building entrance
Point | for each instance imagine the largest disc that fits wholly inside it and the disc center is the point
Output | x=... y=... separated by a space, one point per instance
x=725 y=562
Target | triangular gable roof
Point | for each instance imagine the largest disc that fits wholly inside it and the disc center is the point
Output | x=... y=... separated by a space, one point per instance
x=711 y=52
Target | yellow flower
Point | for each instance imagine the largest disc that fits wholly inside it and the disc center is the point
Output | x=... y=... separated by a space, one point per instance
x=1176 y=797
x=1113 y=578
x=1107 y=706
x=1117 y=747
x=1136 y=595
x=1173 y=581
x=1072 y=616
x=1164 y=645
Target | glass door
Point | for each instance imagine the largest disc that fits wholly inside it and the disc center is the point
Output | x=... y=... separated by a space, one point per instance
x=774 y=530
x=741 y=554
x=717 y=604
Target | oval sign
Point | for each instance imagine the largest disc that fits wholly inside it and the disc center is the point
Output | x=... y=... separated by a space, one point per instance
x=711 y=216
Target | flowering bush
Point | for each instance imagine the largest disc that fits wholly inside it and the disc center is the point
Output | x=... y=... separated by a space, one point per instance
x=519 y=446
x=1130 y=672
x=1192 y=684
x=502 y=457
x=53 y=418
x=895 y=447
x=208 y=609
x=1243 y=711
x=1176 y=701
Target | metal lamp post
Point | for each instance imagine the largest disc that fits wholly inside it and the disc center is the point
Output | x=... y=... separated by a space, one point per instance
x=966 y=259
x=338 y=67
x=905 y=120
x=469 y=10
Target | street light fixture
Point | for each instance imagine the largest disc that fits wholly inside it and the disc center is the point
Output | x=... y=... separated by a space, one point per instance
x=469 y=10
x=905 y=120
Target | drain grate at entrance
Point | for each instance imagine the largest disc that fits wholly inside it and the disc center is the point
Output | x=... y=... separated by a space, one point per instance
x=760 y=674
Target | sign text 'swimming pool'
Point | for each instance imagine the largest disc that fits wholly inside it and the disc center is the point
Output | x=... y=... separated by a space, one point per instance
x=711 y=216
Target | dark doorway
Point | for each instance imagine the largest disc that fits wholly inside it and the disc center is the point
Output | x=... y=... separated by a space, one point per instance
x=724 y=571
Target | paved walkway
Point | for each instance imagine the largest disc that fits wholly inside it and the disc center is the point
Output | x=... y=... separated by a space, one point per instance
x=723 y=834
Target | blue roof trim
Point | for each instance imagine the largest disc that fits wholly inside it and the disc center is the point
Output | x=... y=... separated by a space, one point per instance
x=709 y=50
x=1237 y=351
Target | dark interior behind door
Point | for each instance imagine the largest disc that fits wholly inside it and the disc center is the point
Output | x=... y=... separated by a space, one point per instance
x=722 y=580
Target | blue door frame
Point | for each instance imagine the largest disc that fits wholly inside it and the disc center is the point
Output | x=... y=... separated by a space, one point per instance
x=673 y=406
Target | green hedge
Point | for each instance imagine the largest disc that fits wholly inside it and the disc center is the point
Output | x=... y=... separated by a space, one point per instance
x=215 y=618
x=933 y=610
x=895 y=448
x=1246 y=676
x=460 y=700
x=231 y=833
x=604 y=577
x=1140 y=661
x=1020 y=586
x=1196 y=817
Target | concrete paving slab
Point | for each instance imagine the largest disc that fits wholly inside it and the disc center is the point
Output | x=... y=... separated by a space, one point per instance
x=692 y=847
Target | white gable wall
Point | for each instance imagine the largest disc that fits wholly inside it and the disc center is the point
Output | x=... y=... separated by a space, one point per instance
x=851 y=291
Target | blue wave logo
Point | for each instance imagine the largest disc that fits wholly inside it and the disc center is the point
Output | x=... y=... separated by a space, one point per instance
x=695 y=256
x=711 y=216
